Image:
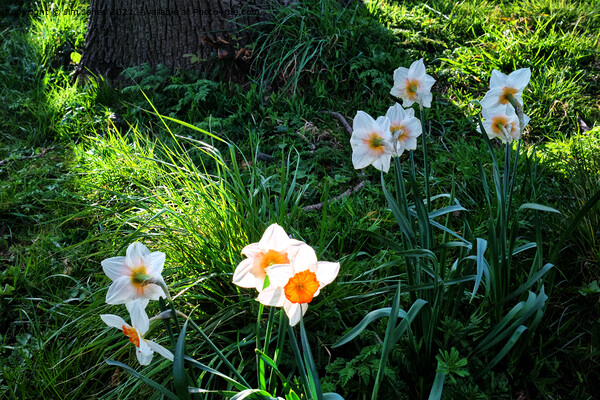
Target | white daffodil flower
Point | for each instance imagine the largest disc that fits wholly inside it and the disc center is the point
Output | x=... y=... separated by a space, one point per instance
x=275 y=247
x=404 y=127
x=502 y=123
x=136 y=277
x=293 y=286
x=135 y=332
x=371 y=142
x=503 y=87
x=413 y=85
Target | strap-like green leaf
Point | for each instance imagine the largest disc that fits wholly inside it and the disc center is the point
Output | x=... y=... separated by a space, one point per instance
x=438 y=386
x=362 y=325
x=148 y=381
x=539 y=207
x=178 y=368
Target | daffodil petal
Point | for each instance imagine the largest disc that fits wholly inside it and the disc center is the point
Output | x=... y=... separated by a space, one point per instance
x=383 y=163
x=362 y=159
x=120 y=291
x=305 y=257
x=274 y=238
x=160 y=350
x=327 y=272
x=498 y=79
x=416 y=70
x=137 y=312
x=154 y=292
x=294 y=311
x=115 y=267
x=362 y=123
x=280 y=274
x=136 y=252
x=272 y=296
x=114 y=321
x=243 y=277
x=155 y=263
x=144 y=353
x=519 y=79
x=491 y=98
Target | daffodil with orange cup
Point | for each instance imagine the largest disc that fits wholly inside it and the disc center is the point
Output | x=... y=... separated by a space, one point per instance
x=293 y=286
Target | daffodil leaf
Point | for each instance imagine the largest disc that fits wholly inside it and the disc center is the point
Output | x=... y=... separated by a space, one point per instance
x=178 y=366
x=166 y=392
x=539 y=207
x=205 y=368
x=332 y=396
x=438 y=386
x=362 y=325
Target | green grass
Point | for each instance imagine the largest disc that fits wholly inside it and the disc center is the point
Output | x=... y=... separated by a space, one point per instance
x=75 y=189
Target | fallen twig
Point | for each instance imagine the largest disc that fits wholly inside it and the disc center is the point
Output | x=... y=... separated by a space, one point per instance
x=342 y=120
x=347 y=193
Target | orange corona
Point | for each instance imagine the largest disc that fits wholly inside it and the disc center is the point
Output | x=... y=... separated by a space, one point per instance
x=301 y=287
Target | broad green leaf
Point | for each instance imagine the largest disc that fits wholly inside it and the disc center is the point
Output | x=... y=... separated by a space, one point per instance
x=205 y=368
x=438 y=386
x=148 y=381
x=332 y=396
x=446 y=210
x=504 y=351
x=362 y=325
x=178 y=367
x=539 y=207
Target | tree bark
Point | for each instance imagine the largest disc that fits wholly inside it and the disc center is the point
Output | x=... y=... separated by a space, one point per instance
x=126 y=33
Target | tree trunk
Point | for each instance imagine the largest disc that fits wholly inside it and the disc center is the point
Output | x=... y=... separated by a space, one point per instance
x=125 y=33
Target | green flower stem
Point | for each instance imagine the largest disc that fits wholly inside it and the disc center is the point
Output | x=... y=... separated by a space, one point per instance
x=299 y=360
x=310 y=363
x=425 y=161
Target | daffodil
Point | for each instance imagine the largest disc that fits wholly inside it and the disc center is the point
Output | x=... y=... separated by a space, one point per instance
x=404 y=127
x=371 y=142
x=413 y=85
x=293 y=286
x=502 y=122
x=135 y=333
x=137 y=276
x=275 y=247
x=506 y=88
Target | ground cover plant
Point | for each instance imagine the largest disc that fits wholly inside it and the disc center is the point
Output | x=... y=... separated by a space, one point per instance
x=199 y=169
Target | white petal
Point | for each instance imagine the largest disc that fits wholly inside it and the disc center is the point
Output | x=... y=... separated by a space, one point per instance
x=272 y=296
x=413 y=126
x=251 y=250
x=280 y=274
x=498 y=80
x=327 y=272
x=144 y=352
x=491 y=98
x=407 y=102
x=363 y=124
x=139 y=318
x=426 y=83
x=305 y=257
x=383 y=123
x=243 y=277
x=395 y=114
x=362 y=159
x=410 y=143
x=115 y=267
x=294 y=311
x=120 y=291
x=160 y=350
x=135 y=254
x=400 y=75
x=155 y=263
x=114 y=321
x=426 y=98
x=154 y=292
x=519 y=79
x=417 y=69
x=383 y=163
x=274 y=238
